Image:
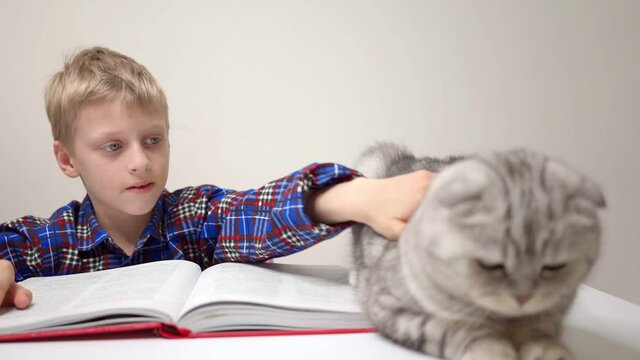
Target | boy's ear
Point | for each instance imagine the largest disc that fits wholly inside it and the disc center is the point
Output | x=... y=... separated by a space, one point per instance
x=63 y=157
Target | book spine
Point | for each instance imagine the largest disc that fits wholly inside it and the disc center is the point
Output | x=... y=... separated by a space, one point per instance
x=172 y=331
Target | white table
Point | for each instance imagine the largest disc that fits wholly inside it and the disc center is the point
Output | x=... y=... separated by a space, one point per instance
x=599 y=326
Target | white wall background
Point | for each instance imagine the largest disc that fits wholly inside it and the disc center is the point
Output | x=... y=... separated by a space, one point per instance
x=258 y=89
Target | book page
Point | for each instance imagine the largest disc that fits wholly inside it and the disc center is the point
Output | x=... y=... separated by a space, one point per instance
x=303 y=287
x=157 y=289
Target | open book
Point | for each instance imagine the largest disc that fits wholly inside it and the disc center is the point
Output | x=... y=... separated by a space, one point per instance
x=176 y=299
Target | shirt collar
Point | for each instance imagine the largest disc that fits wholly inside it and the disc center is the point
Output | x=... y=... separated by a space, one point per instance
x=90 y=234
x=155 y=226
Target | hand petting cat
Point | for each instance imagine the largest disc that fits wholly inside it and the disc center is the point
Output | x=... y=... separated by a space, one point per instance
x=382 y=204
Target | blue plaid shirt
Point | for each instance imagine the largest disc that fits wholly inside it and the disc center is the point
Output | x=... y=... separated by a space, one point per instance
x=204 y=224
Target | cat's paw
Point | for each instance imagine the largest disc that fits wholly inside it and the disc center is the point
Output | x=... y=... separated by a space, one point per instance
x=544 y=350
x=490 y=349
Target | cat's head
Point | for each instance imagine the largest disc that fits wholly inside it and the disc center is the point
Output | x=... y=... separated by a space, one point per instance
x=512 y=232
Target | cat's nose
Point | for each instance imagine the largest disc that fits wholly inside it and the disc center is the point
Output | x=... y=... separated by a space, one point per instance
x=522 y=299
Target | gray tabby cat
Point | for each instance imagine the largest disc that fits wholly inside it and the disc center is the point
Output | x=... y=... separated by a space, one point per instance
x=489 y=263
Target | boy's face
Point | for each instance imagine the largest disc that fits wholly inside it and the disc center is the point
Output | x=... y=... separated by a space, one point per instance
x=121 y=152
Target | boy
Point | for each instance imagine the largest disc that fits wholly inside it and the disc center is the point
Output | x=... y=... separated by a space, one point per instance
x=110 y=126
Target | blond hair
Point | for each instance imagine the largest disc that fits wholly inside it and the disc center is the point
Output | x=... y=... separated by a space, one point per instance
x=94 y=75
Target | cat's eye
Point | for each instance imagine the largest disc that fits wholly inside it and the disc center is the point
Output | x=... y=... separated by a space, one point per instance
x=554 y=267
x=493 y=267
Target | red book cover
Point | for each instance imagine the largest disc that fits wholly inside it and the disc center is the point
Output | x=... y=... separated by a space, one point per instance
x=165 y=330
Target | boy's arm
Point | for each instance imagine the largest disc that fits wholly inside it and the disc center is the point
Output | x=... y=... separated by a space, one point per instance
x=383 y=204
x=12 y=294
x=258 y=224
x=292 y=213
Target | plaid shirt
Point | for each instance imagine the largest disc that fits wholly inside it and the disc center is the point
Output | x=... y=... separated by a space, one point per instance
x=204 y=224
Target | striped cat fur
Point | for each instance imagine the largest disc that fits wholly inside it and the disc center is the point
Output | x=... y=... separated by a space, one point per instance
x=491 y=260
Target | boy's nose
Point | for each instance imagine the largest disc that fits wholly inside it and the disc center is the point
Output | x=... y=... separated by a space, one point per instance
x=138 y=161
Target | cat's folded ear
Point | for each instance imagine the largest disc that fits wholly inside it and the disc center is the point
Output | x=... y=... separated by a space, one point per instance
x=463 y=189
x=573 y=184
x=469 y=192
x=591 y=191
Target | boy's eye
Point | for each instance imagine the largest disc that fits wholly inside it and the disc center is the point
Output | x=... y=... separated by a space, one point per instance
x=111 y=147
x=153 y=140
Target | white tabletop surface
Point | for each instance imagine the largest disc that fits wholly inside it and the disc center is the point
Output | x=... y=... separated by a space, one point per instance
x=599 y=326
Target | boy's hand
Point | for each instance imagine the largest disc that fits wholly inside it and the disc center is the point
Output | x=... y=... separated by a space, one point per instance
x=383 y=204
x=12 y=294
x=390 y=202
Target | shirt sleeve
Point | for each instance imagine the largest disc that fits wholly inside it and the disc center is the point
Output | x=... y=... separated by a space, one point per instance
x=16 y=246
x=270 y=221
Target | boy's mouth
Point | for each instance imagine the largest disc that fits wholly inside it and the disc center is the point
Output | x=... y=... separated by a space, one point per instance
x=141 y=187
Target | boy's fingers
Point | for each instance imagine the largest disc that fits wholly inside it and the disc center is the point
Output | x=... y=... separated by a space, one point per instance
x=393 y=229
x=12 y=294
x=6 y=279
x=21 y=297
